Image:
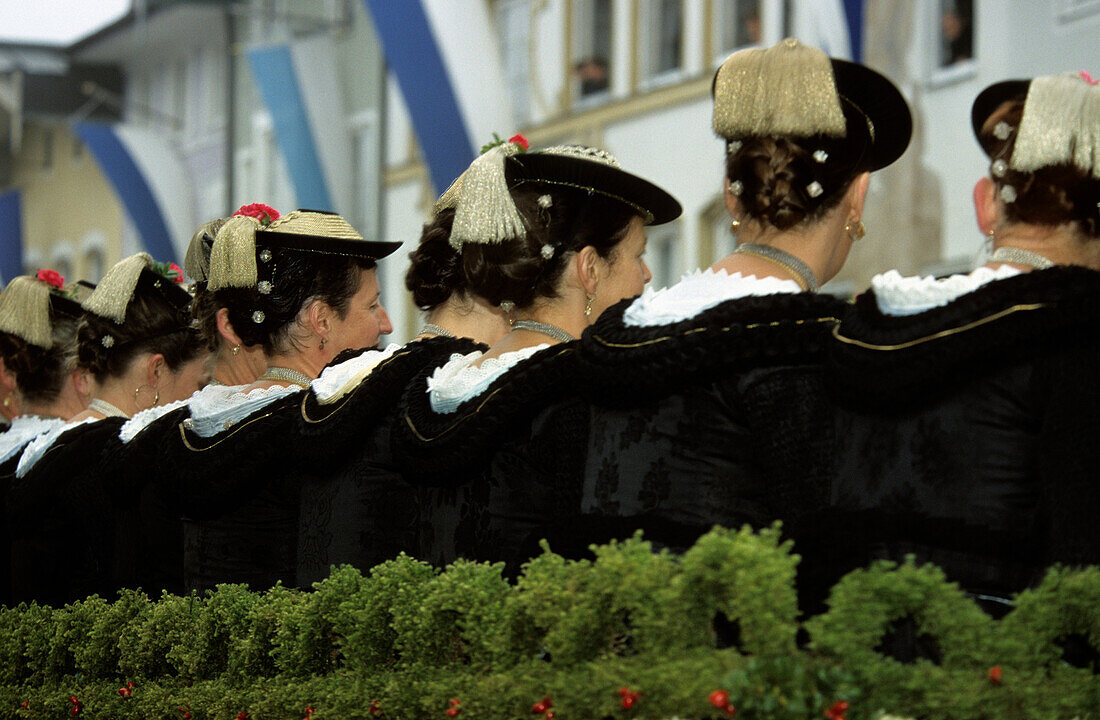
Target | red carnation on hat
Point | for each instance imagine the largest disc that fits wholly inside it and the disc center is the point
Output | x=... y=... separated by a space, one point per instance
x=264 y=213
x=51 y=277
x=176 y=273
x=518 y=139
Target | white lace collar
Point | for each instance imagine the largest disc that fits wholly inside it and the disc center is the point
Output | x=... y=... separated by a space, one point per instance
x=143 y=419
x=38 y=447
x=698 y=291
x=214 y=413
x=458 y=381
x=22 y=430
x=900 y=295
x=337 y=381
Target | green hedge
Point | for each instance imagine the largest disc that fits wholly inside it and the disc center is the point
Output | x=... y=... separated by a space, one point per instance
x=627 y=635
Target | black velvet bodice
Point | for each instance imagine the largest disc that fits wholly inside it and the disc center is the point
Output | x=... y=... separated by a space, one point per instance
x=963 y=435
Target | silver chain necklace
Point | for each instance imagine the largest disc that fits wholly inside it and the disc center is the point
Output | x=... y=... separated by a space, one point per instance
x=544 y=328
x=282 y=374
x=805 y=275
x=1019 y=256
x=435 y=330
x=106 y=409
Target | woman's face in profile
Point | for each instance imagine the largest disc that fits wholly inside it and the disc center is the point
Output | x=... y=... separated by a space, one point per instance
x=627 y=270
x=188 y=379
x=365 y=321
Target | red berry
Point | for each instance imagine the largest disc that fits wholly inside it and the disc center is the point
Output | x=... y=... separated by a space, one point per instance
x=628 y=702
x=550 y=715
x=539 y=707
x=25 y=703
x=995 y=674
x=455 y=702
x=375 y=708
x=720 y=699
x=452 y=712
x=623 y=691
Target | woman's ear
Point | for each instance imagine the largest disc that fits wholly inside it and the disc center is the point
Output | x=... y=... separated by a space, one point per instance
x=589 y=268
x=857 y=194
x=318 y=317
x=82 y=383
x=155 y=367
x=985 y=205
x=225 y=328
x=7 y=377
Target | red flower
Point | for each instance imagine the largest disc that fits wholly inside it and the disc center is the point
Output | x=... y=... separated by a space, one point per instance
x=309 y=712
x=720 y=699
x=453 y=711
x=25 y=703
x=125 y=692
x=995 y=674
x=518 y=139
x=186 y=711
x=242 y=715
x=77 y=706
x=51 y=277
x=264 y=213
x=455 y=702
x=375 y=708
x=629 y=697
x=550 y=715
x=543 y=705
x=836 y=712
x=628 y=701
x=176 y=273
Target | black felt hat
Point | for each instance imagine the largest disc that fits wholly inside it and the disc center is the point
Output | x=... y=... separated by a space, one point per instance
x=597 y=172
x=791 y=89
x=990 y=99
x=321 y=232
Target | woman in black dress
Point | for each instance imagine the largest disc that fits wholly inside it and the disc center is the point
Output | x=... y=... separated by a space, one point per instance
x=137 y=341
x=38 y=320
x=556 y=237
x=302 y=288
x=968 y=404
x=709 y=406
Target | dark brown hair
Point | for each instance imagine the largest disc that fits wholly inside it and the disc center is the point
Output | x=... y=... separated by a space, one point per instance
x=298 y=278
x=434 y=272
x=776 y=175
x=1053 y=195
x=40 y=373
x=153 y=324
x=516 y=270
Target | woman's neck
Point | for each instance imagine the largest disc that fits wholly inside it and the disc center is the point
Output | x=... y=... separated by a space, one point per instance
x=65 y=406
x=240 y=369
x=1062 y=245
x=472 y=318
x=309 y=363
x=822 y=247
x=122 y=393
x=565 y=312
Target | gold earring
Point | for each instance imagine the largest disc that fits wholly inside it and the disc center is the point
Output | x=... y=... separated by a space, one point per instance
x=322 y=345
x=137 y=392
x=857 y=231
x=7 y=401
x=236 y=349
x=588 y=305
x=735 y=225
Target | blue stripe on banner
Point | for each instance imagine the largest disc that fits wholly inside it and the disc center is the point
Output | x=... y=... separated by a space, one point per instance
x=273 y=69
x=130 y=186
x=11 y=234
x=853 y=11
x=415 y=60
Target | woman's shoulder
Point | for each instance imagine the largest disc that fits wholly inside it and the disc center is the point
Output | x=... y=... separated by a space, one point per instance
x=731 y=332
x=982 y=321
x=481 y=409
x=74 y=447
x=23 y=430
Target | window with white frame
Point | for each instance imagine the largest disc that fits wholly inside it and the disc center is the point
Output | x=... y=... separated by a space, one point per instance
x=660 y=41
x=592 y=24
x=513 y=21
x=955 y=39
x=366 y=161
x=662 y=254
x=735 y=24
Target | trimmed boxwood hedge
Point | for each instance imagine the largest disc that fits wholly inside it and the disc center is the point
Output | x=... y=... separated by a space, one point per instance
x=628 y=634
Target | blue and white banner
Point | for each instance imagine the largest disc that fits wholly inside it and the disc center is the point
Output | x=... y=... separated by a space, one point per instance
x=11 y=235
x=307 y=117
x=444 y=56
x=833 y=26
x=150 y=181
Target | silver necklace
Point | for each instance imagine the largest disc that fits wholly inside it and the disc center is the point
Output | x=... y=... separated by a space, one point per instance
x=106 y=409
x=435 y=330
x=282 y=374
x=805 y=276
x=1019 y=256
x=545 y=328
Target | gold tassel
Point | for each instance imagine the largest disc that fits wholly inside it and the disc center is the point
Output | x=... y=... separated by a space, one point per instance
x=233 y=256
x=787 y=89
x=450 y=196
x=484 y=210
x=1059 y=125
x=25 y=311
x=196 y=264
x=112 y=296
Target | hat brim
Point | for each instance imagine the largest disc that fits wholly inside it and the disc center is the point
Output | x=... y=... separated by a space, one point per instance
x=175 y=293
x=61 y=305
x=883 y=104
x=993 y=97
x=655 y=205
x=365 y=249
